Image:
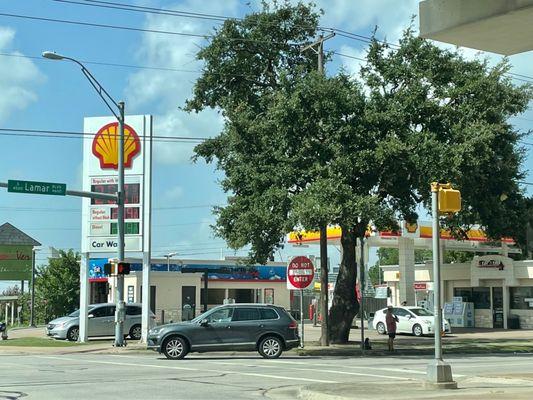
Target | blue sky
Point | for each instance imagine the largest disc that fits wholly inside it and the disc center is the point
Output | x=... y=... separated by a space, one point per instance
x=42 y=94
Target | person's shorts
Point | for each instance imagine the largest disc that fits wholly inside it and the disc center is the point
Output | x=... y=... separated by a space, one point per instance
x=392 y=335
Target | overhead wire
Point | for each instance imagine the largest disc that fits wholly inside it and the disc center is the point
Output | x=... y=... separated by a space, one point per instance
x=76 y=134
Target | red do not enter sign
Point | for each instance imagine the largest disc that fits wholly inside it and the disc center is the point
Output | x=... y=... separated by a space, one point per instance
x=300 y=273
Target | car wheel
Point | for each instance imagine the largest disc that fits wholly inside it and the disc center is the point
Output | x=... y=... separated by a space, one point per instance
x=175 y=348
x=271 y=347
x=73 y=334
x=417 y=330
x=135 y=332
x=380 y=327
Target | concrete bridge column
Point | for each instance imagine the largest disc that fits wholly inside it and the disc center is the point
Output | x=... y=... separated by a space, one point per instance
x=406 y=250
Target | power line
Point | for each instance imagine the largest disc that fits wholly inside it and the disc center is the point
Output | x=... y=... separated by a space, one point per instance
x=220 y=18
x=134 y=29
x=77 y=134
x=50 y=209
x=130 y=66
x=107 y=26
x=151 y=10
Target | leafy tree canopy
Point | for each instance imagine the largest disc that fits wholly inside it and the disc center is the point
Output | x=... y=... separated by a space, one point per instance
x=299 y=149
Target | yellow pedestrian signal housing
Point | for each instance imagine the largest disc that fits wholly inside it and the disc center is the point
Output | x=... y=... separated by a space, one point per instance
x=109 y=269
x=121 y=268
x=449 y=200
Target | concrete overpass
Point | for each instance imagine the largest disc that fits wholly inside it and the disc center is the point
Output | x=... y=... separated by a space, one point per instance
x=498 y=26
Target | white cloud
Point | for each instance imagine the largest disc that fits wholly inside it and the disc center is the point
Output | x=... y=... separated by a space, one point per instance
x=163 y=92
x=390 y=16
x=17 y=77
x=174 y=193
x=352 y=65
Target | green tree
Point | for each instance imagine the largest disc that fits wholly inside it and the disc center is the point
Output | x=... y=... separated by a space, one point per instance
x=375 y=274
x=299 y=149
x=57 y=287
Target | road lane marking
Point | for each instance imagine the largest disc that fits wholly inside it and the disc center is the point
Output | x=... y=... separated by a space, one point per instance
x=384 y=369
x=317 y=370
x=188 y=369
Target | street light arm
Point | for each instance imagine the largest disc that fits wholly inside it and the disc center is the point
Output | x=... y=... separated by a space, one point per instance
x=104 y=95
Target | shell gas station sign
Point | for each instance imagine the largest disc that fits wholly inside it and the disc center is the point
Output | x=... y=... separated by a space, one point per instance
x=100 y=166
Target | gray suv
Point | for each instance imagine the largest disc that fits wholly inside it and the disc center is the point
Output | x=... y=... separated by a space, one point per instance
x=265 y=328
x=101 y=322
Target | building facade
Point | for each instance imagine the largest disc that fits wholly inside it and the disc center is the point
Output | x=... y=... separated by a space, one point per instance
x=177 y=289
x=499 y=287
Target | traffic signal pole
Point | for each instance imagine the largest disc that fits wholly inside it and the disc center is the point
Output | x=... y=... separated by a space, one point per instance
x=119 y=298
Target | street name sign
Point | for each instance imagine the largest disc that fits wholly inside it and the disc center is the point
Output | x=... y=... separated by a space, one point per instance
x=55 y=189
x=300 y=273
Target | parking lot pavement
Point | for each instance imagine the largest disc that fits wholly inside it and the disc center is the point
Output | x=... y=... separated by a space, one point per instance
x=245 y=376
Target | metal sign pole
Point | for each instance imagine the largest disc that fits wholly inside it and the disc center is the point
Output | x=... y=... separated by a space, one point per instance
x=302 y=317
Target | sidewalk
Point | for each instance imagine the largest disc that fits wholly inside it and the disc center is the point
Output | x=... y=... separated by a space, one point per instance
x=470 y=388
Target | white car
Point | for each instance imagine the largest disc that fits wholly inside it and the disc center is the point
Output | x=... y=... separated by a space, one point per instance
x=415 y=320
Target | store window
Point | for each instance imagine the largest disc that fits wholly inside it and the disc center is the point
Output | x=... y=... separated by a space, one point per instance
x=214 y=296
x=480 y=296
x=518 y=297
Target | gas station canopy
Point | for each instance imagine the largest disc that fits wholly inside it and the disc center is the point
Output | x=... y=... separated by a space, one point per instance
x=499 y=26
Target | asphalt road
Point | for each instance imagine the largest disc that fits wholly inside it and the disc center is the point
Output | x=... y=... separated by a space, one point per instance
x=223 y=376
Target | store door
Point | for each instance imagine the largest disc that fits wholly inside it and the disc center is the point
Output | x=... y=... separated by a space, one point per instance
x=497 y=307
x=188 y=302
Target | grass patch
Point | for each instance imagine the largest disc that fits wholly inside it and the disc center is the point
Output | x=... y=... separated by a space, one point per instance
x=37 y=342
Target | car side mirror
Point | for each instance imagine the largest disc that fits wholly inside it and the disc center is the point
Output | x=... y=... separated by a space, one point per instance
x=90 y=316
x=409 y=316
x=204 y=322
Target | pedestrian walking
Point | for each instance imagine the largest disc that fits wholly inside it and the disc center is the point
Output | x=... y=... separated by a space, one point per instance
x=391 y=321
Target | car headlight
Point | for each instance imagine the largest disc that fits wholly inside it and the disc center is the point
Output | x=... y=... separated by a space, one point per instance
x=427 y=322
x=155 y=331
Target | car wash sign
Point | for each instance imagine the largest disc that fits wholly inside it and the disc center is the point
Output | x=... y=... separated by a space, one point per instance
x=100 y=174
x=300 y=273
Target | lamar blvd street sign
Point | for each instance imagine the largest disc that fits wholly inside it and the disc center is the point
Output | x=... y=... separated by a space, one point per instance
x=57 y=189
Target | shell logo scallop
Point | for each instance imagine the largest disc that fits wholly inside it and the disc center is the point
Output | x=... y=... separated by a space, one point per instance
x=105 y=146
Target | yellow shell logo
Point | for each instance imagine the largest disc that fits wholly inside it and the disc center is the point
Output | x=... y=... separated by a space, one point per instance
x=411 y=227
x=105 y=146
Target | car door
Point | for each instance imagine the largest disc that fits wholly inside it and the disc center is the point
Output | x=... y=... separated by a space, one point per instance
x=96 y=317
x=133 y=317
x=214 y=331
x=404 y=322
x=246 y=324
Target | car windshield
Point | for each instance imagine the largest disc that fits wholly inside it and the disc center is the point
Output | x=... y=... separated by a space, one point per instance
x=421 y=312
x=77 y=312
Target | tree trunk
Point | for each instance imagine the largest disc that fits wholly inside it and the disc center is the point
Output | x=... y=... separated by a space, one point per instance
x=345 y=305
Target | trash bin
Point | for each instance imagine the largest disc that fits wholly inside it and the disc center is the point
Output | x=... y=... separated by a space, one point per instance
x=513 y=322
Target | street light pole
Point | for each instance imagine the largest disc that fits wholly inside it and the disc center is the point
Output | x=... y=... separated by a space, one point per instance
x=120 y=116
x=120 y=311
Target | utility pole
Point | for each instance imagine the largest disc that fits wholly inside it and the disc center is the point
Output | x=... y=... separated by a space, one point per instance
x=362 y=289
x=318 y=48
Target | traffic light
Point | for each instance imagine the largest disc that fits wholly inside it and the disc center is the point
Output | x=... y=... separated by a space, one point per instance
x=123 y=268
x=108 y=269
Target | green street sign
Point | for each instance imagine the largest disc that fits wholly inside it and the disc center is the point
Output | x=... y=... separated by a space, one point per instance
x=56 y=189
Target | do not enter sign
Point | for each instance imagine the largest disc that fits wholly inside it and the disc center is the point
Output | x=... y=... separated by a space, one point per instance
x=300 y=273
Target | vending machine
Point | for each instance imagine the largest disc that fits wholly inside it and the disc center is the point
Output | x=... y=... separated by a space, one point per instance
x=460 y=314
